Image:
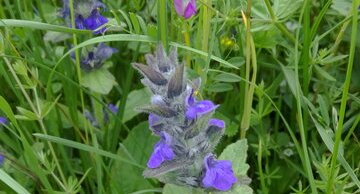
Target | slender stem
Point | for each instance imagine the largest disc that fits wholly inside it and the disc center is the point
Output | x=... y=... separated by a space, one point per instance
x=162 y=24
x=261 y=174
x=77 y=64
x=345 y=92
x=298 y=97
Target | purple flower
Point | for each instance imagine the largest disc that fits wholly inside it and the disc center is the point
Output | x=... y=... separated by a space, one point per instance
x=198 y=108
x=113 y=108
x=217 y=123
x=162 y=151
x=218 y=174
x=87 y=15
x=2 y=158
x=3 y=121
x=185 y=8
x=96 y=56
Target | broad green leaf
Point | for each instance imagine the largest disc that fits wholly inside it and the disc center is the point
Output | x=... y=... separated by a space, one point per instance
x=285 y=8
x=342 y=6
x=136 y=98
x=219 y=87
x=139 y=145
x=238 y=189
x=227 y=77
x=99 y=80
x=237 y=153
x=175 y=189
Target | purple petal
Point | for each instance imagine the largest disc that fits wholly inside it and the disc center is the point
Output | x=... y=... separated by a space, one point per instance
x=113 y=108
x=190 y=100
x=179 y=7
x=94 y=21
x=218 y=174
x=209 y=178
x=153 y=119
x=200 y=108
x=104 y=52
x=217 y=122
x=190 y=9
x=3 y=121
x=80 y=23
x=2 y=159
x=162 y=151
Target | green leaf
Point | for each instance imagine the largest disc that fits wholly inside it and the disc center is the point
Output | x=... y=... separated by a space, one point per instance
x=227 y=77
x=85 y=147
x=135 y=22
x=329 y=142
x=237 y=189
x=47 y=106
x=175 y=189
x=99 y=80
x=139 y=146
x=39 y=26
x=136 y=98
x=8 y=180
x=291 y=79
x=324 y=74
x=26 y=114
x=237 y=153
x=219 y=87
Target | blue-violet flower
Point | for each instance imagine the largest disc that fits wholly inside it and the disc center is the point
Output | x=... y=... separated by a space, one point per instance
x=3 y=121
x=162 y=151
x=187 y=131
x=2 y=159
x=87 y=15
x=218 y=174
x=94 y=57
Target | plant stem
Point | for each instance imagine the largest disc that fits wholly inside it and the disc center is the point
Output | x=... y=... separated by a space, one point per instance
x=162 y=23
x=345 y=92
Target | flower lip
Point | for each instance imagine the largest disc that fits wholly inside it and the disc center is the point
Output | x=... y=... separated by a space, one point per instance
x=200 y=108
x=217 y=123
x=162 y=151
x=218 y=174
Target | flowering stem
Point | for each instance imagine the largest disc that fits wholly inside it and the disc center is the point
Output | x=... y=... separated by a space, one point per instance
x=345 y=92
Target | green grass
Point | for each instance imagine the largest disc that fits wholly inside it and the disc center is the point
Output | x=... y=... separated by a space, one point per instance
x=285 y=74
